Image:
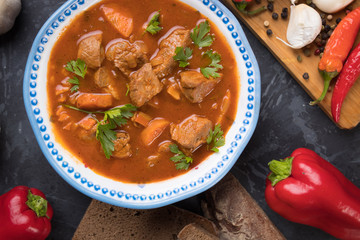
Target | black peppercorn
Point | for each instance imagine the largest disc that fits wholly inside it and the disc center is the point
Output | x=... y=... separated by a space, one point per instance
x=269 y=32
x=270 y=7
x=321 y=49
x=284 y=15
x=338 y=20
x=327 y=28
x=285 y=9
x=318 y=42
x=323 y=22
x=324 y=36
x=306 y=76
x=312 y=5
x=275 y=16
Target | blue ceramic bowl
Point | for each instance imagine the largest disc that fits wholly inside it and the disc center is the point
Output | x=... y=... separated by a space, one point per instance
x=151 y=195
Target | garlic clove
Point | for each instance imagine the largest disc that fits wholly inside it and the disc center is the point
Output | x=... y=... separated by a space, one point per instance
x=9 y=10
x=331 y=6
x=304 y=26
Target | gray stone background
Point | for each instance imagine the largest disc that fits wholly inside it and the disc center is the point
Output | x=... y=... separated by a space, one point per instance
x=286 y=122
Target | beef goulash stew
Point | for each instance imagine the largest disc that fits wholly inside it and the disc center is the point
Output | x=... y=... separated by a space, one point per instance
x=142 y=92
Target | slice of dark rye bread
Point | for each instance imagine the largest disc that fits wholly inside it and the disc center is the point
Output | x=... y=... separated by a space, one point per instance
x=106 y=222
x=236 y=213
x=194 y=231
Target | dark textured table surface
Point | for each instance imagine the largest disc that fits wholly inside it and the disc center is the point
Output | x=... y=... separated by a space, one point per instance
x=286 y=122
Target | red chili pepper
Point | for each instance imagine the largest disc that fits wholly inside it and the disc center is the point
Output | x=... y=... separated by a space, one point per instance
x=346 y=79
x=306 y=189
x=242 y=4
x=337 y=49
x=25 y=214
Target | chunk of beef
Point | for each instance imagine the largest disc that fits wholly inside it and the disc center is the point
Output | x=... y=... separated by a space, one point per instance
x=164 y=63
x=103 y=79
x=86 y=128
x=62 y=114
x=195 y=86
x=91 y=50
x=144 y=85
x=63 y=87
x=93 y=101
x=122 y=147
x=126 y=56
x=191 y=132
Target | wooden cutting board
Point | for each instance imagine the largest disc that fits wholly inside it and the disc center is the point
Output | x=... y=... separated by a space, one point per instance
x=350 y=114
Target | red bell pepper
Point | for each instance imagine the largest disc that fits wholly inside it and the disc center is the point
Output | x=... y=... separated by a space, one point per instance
x=346 y=80
x=306 y=189
x=25 y=214
x=241 y=5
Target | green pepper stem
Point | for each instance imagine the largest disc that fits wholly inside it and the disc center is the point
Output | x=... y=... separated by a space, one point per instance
x=256 y=11
x=280 y=170
x=241 y=6
x=327 y=76
x=37 y=204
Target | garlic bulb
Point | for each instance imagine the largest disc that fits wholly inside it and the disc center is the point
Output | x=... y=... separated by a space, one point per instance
x=9 y=9
x=331 y=6
x=304 y=25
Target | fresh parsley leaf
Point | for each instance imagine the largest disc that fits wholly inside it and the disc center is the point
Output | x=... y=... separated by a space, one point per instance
x=74 y=88
x=75 y=81
x=78 y=67
x=153 y=26
x=106 y=135
x=200 y=35
x=209 y=72
x=182 y=55
x=127 y=110
x=112 y=119
x=216 y=138
x=105 y=129
x=215 y=59
x=182 y=166
x=182 y=161
x=214 y=66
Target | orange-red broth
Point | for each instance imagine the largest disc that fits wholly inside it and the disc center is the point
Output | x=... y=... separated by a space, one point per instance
x=136 y=168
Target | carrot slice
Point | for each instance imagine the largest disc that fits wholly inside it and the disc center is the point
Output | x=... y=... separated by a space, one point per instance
x=94 y=101
x=153 y=130
x=118 y=18
x=142 y=118
x=87 y=123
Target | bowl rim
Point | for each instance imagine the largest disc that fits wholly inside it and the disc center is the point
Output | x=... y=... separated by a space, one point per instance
x=35 y=124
